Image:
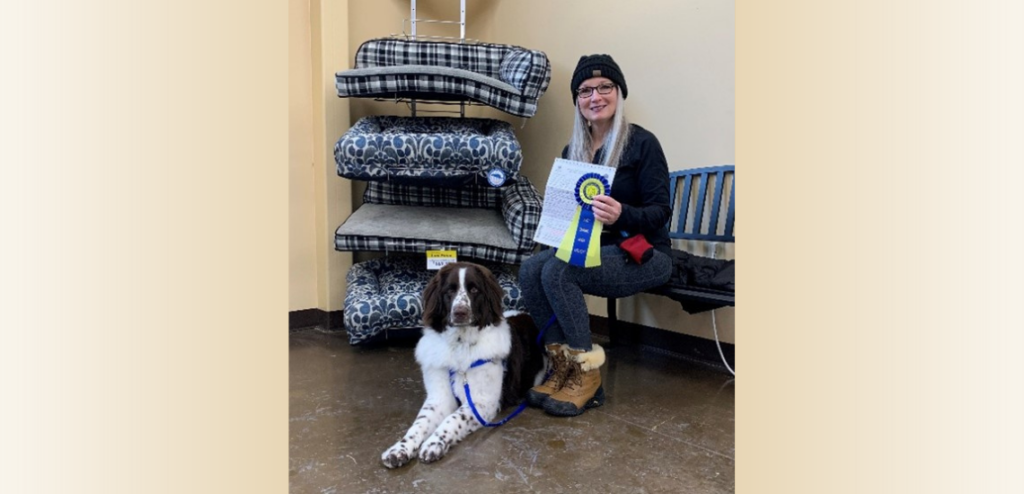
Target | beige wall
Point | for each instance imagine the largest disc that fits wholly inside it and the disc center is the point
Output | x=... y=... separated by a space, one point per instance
x=677 y=57
x=320 y=200
x=301 y=224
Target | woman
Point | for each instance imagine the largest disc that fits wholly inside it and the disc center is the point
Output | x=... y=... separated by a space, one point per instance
x=638 y=204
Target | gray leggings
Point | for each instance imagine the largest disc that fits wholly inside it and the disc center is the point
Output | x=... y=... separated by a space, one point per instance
x=551 y=286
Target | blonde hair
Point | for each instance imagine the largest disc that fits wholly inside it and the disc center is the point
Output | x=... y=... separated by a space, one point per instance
x=580 y=144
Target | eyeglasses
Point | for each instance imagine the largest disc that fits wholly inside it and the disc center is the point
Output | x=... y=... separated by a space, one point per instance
x=587 y=91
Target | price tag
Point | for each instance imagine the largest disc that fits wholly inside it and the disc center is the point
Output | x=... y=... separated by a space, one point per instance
x=438 y=258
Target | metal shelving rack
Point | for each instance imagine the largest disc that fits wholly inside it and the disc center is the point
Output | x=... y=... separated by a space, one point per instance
x=412 y=21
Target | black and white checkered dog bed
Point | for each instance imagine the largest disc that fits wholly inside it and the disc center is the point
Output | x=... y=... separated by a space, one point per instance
x=506 y=77
x=478 y=222
x=431 y=151
x=386 y=293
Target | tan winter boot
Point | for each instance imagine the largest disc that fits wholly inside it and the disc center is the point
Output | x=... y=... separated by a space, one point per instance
x=582 y=389
x=558 y=356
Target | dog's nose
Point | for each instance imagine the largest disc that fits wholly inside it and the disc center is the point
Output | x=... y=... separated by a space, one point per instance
x=460 y=314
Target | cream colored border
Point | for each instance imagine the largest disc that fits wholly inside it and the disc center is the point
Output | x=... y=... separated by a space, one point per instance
x=880 y=287
x=144 y=307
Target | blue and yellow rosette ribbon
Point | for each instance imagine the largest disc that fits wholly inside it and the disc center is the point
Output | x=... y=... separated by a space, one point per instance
x=581 y=245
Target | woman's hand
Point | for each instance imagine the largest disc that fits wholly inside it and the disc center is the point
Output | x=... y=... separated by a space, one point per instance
x=606 y=209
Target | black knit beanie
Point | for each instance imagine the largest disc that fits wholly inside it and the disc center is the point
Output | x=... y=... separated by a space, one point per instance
x=597 y=66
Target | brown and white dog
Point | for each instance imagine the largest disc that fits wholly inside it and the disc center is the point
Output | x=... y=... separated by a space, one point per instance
x=467 y=338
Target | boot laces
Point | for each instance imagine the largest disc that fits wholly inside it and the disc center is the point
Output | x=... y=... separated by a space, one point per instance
x=575 y=375
x=559 y=368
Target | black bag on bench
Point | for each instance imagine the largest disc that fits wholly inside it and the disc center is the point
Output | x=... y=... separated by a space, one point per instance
x=689 y=270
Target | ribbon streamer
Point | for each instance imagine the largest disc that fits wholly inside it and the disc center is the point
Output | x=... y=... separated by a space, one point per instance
x=581 y=245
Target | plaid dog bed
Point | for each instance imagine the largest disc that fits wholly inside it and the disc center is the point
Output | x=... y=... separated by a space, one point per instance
x=506 y=77
x=478 y=222
x=386 y=293
x=432 y=151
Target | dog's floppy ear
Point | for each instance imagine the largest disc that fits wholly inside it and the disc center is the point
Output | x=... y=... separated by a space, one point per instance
x=433 y=310
x=489 y=312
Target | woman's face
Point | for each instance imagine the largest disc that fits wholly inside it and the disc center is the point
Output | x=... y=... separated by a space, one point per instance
x=598 y=107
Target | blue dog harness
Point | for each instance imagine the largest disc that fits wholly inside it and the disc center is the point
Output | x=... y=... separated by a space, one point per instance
x=469 y=397
x=478 y=363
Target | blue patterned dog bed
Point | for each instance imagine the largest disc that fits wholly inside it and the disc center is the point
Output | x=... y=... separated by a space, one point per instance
x=509 y=78
x=432 y=151
x=386 y=293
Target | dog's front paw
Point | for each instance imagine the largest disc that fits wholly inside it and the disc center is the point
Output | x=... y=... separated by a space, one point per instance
x=432 y=450
x=397 y=455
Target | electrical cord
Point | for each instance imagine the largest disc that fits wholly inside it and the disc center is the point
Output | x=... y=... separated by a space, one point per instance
x=714 y=323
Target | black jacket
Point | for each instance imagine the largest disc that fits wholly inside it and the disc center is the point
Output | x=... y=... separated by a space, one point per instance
x=641 y=185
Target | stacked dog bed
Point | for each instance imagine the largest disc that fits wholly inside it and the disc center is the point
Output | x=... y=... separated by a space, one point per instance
x=436 y=151
x=385 y=294
x=435 y=183
x=506 y=77
x=478 y=222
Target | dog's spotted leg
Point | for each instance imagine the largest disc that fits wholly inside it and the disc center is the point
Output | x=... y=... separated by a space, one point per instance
x=486 y=393
x=453 y=430
x=439 y=404
x=404 y=450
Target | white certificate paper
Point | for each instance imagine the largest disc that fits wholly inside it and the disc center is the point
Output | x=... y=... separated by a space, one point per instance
x=560 y=198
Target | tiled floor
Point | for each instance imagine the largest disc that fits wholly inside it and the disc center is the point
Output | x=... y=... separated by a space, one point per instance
x=667 y=426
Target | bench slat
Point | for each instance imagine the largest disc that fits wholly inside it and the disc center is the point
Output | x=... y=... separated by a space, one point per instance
x=684 y=206
x=702 y=195
x=716 y=204
x=731 y=215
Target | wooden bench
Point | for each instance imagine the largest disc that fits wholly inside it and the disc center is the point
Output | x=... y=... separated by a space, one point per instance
x=698 y=198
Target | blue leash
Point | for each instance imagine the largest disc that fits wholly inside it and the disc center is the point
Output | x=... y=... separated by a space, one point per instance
x=469 y=397
x=478 y=363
